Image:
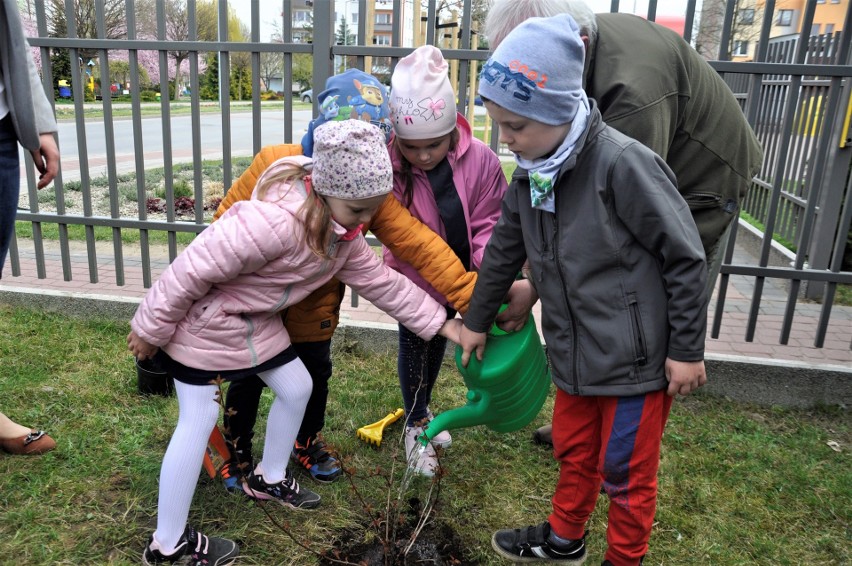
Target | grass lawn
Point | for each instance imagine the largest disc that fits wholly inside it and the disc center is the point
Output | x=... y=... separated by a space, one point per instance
x=121 y=109
x=738 y=484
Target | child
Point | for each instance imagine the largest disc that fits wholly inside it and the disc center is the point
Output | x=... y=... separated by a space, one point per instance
x=451 y=182
x=617 y=261
x=311 y=322
x=220 y=301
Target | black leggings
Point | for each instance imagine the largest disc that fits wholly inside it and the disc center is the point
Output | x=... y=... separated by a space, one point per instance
x=244 y=398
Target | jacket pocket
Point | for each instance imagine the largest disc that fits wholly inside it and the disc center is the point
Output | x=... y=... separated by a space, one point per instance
x=701 y=201
x=640 y=351
x=203 y=312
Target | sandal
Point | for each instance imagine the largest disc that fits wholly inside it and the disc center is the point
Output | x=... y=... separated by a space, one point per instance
x=36 y=442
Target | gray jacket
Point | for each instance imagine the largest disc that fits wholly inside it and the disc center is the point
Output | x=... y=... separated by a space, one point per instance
x=619 y=267
x=29 y=108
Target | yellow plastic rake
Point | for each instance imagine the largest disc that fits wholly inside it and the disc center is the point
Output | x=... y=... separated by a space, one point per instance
x=372 y=433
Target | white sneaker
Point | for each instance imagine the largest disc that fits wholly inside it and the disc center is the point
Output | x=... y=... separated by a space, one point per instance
x=422 y=460
x=443 y=438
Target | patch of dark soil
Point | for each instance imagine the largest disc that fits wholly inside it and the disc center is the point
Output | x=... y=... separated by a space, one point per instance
x=436 y=544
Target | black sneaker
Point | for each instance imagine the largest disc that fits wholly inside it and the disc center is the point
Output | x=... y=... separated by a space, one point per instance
x=532 y=545
x=313 y=456
x=195 y=549
x=543 y=435
x=286 y=492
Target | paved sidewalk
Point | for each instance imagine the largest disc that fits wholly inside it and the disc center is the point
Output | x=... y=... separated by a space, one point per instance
x=731 y=341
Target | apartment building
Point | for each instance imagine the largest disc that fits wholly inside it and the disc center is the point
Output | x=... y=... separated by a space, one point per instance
x=787 y=21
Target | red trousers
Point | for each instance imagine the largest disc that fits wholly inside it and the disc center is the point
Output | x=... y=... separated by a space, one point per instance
x=614 y=440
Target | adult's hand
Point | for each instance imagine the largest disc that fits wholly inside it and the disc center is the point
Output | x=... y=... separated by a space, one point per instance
x=46 y=159
x=521 y=298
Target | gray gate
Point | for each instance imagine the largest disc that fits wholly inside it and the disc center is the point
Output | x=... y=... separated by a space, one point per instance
x=795 y=92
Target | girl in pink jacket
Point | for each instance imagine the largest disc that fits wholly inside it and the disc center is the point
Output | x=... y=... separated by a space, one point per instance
x=454 y=184
x=214 y=313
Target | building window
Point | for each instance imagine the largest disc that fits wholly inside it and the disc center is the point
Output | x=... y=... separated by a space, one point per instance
x=383 y=19
x=301 y=17
x=815 y=29
x=354 y=18
x=829 y=29
x=381 y=40
x=740 y=48
x=746 y=16
x=785 y=18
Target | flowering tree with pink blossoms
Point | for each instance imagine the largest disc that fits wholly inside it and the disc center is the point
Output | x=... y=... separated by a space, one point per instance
x=115 y=26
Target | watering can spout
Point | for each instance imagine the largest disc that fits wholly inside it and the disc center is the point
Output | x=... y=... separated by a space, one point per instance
x=474 y=413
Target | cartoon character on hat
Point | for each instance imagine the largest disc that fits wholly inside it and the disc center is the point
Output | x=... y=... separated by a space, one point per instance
x=351 y=95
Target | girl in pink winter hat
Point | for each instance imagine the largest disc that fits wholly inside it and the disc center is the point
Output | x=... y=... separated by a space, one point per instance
x=453 y=183
x=214 y=315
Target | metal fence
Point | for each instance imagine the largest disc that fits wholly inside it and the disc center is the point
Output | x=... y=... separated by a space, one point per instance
x=795 y=93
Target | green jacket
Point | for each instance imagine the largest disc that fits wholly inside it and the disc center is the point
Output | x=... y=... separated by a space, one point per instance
x=651 y=85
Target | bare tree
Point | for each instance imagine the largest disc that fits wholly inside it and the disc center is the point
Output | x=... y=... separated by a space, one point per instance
x=271 y=65
x=745 y=27
x=85 y=21
x=479 y=11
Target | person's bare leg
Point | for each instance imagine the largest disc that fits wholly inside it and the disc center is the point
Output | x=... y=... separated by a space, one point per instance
x=11 y=429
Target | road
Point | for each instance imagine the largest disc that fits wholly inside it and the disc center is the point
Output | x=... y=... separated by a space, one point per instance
x=272 y=131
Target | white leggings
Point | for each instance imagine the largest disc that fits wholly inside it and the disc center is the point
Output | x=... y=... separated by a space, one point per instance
x=198 y=414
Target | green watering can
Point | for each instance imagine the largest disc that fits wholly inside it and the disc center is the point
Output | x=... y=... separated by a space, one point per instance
x=506 y=390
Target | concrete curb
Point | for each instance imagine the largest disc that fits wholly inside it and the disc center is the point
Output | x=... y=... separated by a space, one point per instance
x=741 y=378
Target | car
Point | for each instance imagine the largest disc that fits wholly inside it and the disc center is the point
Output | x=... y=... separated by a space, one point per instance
x=307 y=96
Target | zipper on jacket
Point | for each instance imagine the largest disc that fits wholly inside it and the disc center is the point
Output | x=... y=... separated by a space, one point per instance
x=575 y=342
x=700 y=201
x=547 y=250
x=250 y=339
x=641 y=353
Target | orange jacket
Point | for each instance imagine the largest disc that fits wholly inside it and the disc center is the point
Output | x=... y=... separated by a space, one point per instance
x=315 y=318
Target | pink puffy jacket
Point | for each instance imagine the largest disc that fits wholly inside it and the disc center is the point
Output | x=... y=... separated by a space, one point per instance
x=219 y=301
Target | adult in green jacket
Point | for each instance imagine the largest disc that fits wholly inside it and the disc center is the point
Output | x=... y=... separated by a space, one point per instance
x=653 y=86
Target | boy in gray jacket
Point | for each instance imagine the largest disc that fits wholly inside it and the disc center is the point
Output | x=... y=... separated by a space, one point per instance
x=618 y=264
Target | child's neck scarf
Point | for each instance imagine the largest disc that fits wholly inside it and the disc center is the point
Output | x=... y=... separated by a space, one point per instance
x=349 y=235
x=543 y=171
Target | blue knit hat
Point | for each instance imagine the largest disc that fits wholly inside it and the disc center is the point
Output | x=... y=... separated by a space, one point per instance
x=537 y=70
x=351 y=95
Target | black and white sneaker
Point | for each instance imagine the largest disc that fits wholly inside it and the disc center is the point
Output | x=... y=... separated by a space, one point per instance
x=286 y=492
x=533 y=544
x=194 y=549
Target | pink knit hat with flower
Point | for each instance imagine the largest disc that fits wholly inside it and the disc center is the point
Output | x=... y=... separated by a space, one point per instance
x=422 y=103
x=351 y=161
